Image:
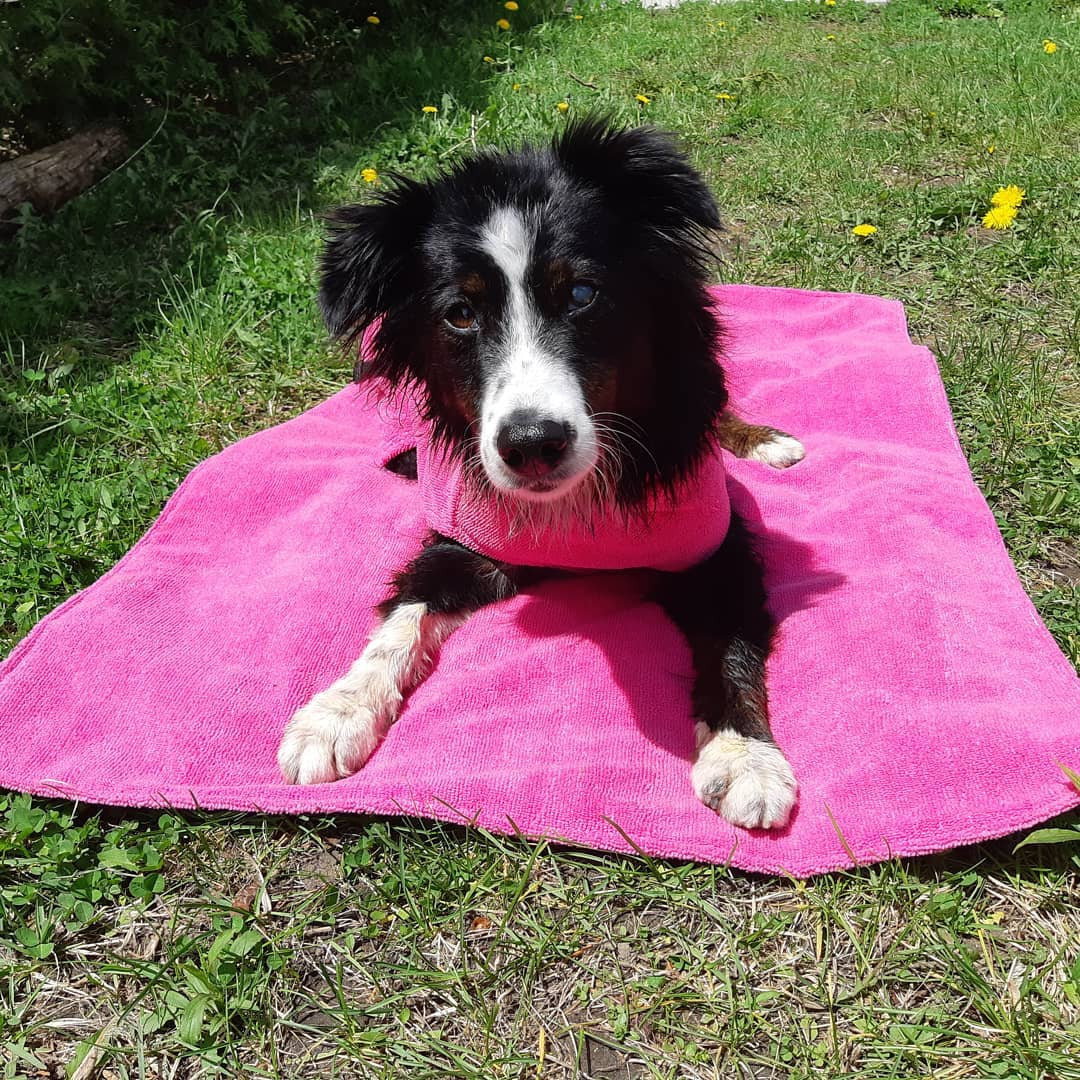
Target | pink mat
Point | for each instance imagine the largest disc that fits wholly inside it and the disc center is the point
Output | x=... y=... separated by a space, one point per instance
x=919 y=698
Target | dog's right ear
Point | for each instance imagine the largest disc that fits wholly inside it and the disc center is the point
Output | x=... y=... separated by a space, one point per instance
x=370 y=261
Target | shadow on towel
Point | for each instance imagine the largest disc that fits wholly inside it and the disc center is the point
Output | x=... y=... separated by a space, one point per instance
x=612 y=611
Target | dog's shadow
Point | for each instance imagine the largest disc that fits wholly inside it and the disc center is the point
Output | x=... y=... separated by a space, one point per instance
x=646 y=655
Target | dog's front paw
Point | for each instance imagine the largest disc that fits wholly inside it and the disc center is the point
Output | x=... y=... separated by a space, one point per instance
x=330 y=737
x=748 y=781
x=779 y=450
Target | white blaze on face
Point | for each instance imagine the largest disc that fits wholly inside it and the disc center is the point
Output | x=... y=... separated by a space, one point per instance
x=527 y=377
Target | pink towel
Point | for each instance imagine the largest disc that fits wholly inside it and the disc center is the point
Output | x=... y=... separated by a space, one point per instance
x=918 y=697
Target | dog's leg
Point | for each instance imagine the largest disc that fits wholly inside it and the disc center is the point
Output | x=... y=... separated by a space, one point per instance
x=767 y=444
x=338 y=729
x=720 y=607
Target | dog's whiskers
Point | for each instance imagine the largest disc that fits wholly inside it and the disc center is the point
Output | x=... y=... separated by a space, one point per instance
x=611 y=426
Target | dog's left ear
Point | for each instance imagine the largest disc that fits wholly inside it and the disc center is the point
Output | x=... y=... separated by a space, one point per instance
x=645 y=176
x=370 y=261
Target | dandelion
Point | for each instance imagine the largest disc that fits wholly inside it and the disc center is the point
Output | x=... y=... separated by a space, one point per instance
x=503 y=24
x=429 y=109
x=374 y=20
x=999 y=217
x=1008 y=196
x=991 y=148
x=516 y=86
x=579 y=17
x=642 y=98
x=864 y=230
x=489 y=59
x=1004 y=204
x=369 y=176
x=1049 y=46
x=830 y=37
x=563 y=106
x=830 y=3
x=510 y=5
x=725 y=97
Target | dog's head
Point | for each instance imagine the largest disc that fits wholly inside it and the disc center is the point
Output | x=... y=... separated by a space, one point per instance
x=548 y=304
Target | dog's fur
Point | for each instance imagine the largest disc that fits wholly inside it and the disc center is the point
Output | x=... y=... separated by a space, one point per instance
x=549 y=310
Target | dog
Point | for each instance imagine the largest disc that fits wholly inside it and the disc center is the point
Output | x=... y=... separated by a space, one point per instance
x=548 y=308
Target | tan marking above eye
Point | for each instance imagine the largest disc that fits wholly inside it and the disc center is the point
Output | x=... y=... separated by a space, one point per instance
x=558 y=274
x=472 y=285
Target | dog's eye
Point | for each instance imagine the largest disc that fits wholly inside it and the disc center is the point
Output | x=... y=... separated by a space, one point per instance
x=462 y=317
x=582 y=294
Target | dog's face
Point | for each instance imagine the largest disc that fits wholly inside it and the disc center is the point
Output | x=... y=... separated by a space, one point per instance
x=550 y=306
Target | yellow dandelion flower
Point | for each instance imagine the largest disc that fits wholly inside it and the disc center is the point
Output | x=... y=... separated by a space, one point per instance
x=516 y=86
x=489 y=59
x=1049 y=46
x=429 y=109
x=579 y=17
x=999 y=217
x=721 y=24
x=369 y=176
x=830 y=3
x=563 y=106
x=725 y=97
x=510 y=5
x=830 y=37
x=1008 y=196
x=991 y=148
x=642 y=98
x=503 y=24
x=374 y=20
x=864 y=230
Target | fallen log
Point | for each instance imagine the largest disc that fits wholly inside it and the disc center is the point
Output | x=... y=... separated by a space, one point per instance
x=49 y=177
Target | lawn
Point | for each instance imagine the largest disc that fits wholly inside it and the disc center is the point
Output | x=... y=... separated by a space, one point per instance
x=170 y=311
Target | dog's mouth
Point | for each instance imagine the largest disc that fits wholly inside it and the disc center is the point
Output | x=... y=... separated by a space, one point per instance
x=540 y=487
x=548 y=489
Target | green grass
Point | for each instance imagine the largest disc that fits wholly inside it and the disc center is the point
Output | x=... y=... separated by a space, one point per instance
x=170 y=311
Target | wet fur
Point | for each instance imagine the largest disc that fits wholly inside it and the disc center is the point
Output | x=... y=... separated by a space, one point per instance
x=623 y=207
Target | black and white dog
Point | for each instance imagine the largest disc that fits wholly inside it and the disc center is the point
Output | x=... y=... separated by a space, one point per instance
x=533 y=301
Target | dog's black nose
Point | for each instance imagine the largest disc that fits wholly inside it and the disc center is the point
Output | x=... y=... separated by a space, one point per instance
x=530 y=446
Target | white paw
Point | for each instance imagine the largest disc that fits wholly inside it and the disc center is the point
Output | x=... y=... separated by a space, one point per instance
x=748 y=781
x=330 y=737
x=779 y=451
